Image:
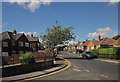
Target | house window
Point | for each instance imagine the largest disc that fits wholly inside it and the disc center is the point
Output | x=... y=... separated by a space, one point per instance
x=13 y=43
x=20 y=43
x=4 y=53
x=27 y=51
x=21 y=52
x=26 y=44
x=5 y=44
x=30 y=45
x=13 y=52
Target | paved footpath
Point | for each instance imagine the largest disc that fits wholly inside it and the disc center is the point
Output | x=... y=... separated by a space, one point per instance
x=110 y=60
x=59 y=64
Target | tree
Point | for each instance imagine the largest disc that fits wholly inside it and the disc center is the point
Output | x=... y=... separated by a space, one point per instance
x=116 y=37
x=57 y=35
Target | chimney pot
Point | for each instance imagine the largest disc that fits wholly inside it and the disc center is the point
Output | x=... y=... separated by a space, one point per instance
x=99 y=38
x=14 y=32
x=31 y=35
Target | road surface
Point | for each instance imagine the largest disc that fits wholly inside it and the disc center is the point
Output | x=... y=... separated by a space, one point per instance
x=85 y=69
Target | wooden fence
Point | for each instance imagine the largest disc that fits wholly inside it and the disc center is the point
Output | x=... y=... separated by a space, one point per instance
x=39 y=57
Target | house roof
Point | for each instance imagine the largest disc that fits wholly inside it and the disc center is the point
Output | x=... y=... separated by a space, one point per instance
x=117 y=42
x=32 y=39
x=7 y=35
x=86 y=43
x=92 y=42
x=107 y=41
x=17 y=36
x=95 y=42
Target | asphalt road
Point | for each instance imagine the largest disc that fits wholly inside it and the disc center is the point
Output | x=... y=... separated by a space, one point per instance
x=85 y=69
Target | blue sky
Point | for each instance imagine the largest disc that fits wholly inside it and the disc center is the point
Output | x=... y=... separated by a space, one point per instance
x=87 y=18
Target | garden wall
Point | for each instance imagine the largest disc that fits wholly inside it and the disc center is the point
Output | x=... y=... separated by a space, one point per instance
x=22 y=69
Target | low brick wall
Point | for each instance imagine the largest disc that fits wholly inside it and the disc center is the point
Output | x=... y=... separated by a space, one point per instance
x=22 y=69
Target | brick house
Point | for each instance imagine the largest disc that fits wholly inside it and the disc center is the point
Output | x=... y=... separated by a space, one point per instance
x=117 y=43
x=92 y=44
x=15 y=43
x=34 y=42
x=106 y=42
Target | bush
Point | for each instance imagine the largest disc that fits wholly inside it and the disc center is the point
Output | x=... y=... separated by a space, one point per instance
x=26 y=58
x=48 y=50
x=106 y=52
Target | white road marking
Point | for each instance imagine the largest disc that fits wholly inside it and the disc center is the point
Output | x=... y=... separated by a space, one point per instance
x=75 y=66
x=77 y=70
x=104 y=76
x=96 y=79
x=86 y=70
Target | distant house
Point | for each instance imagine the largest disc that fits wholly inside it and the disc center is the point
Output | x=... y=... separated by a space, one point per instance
x=117 y=43
x=79 y=45
x=84 y=45
x=71 y=47
x=15 y=43
x=106 y=42
x=92 y=44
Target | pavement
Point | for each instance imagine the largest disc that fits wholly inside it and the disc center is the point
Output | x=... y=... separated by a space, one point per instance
x=59 y=64
x=109 y=60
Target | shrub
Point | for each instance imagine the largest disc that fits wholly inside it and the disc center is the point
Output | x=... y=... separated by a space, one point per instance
x=106 y=52
x=26 y=58
x=48 y=50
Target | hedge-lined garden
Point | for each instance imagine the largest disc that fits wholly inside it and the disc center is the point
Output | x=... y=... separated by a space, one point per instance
x=113 y=52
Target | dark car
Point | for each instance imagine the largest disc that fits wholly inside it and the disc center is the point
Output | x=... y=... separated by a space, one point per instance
x=78 y=51
x=87 y=54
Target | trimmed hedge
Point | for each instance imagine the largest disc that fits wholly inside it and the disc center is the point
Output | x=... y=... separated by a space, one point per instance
x=108 y=52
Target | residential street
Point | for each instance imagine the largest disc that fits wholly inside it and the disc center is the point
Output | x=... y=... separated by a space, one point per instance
x=85 y=69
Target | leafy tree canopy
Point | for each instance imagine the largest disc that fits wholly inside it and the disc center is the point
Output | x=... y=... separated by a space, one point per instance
x=57 y=35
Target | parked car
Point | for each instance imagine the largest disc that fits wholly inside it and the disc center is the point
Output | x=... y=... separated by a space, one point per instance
x=87 y=54
x=79 y=51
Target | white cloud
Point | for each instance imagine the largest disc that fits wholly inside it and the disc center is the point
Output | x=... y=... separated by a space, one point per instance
x=113 y=2
x=32 y=5
x=100 y=31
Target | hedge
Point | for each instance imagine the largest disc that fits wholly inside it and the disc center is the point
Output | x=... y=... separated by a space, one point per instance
x=112 y=52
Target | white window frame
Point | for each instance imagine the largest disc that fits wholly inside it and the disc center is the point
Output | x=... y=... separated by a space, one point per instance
x=20 y=43
x=4 y=53
x=21 y=52
x=26 y=44
x=5 y=44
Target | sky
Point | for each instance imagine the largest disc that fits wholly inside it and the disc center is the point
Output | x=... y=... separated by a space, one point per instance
x=89 y=19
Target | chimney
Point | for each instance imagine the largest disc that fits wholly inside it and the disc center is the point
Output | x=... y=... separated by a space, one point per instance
x=99 y=38
x=31 y=35
x=14 y=32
